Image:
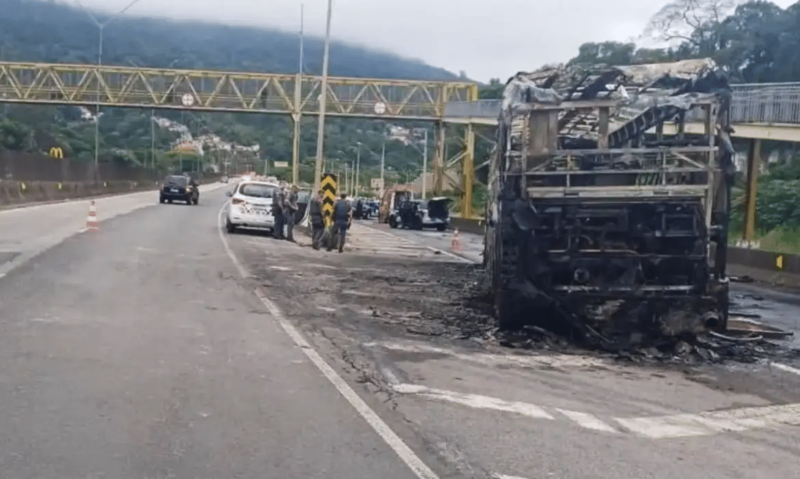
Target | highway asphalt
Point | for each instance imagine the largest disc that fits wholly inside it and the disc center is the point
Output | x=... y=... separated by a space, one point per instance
x=136 y=352
x=141 y=351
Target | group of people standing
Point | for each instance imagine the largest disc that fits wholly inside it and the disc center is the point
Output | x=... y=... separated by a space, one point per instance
x=340 y=222
x=284 y=209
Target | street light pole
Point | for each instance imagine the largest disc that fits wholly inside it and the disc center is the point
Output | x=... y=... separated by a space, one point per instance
x=153 y=137
x=101 y=27
x=346 y=187
x=323 y=99
x=296 y=115
x=383 y=161
x=425 y=166
x=358 y=169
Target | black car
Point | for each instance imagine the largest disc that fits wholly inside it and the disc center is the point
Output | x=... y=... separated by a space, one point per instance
x=180 y=188
x=419 y=214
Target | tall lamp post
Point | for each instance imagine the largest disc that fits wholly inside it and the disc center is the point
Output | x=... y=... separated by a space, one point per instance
x=101 y=26
x=153 y=120
x=323 y=99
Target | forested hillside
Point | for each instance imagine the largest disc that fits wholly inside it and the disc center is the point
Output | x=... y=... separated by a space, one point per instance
x=54 y=32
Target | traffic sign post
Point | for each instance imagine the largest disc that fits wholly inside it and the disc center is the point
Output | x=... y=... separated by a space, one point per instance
x=328 y=186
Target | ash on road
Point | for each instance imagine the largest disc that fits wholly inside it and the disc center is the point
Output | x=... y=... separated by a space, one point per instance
x=415 y=328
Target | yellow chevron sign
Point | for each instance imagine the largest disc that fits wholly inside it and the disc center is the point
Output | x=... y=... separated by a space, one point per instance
x=56 y=152
x=328 y=186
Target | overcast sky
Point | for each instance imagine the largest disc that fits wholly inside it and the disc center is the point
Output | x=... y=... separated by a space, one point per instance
x=486 y=39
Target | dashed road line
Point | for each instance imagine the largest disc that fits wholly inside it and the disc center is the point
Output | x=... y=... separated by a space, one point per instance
x=414 y=462
x=654 y=427
x=586 y=420
x=785 y=368
x=474 y=400
x=549 y=360
x=713 y=422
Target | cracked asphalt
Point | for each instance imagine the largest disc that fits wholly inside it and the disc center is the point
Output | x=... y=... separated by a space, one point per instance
x=139 y=352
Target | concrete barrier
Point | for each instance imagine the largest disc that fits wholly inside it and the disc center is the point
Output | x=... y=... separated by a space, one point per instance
x=20 y=193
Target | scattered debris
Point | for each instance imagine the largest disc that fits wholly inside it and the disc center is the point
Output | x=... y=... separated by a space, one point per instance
x=450 y=302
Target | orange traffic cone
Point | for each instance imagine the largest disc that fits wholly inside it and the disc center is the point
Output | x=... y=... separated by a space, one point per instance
x=91 y=221
x=455 y=243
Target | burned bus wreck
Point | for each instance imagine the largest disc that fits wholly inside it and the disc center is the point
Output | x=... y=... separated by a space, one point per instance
x=598 y=222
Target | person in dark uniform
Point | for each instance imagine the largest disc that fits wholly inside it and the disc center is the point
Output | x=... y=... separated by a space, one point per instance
x=359 y=214
x=342 y=213
x=277 y=212
x=289 y=212
x=317 y=220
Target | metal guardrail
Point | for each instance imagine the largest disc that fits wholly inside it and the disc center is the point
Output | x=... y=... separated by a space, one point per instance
x=751 y=103
x=472 y=109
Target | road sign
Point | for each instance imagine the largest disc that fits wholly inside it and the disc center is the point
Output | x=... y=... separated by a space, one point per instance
x=376 y=183
x=328 y=186
x=281 y=164
x=380 y=108
x=187 y=99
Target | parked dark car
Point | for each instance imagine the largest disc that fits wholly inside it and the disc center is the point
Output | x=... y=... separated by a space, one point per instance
x=418 y=214
x=180 y=188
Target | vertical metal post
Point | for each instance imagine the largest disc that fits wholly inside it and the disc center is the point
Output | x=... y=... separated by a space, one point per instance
x=468 y=172
x=153 y=137
x=101 y=27
x=383 y=161
x=97 y=112
x=323 y=99
x=357 y=189
x=346 y=187
x=296 y=115
x=753 y=165
x=425 y=167
x=353 y=178
x=438 y=159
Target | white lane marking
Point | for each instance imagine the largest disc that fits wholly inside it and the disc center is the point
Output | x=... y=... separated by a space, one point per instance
x=652 y=427
x=505 y=476
x=712 y=422
x=586 y=420
x=786 y=368
x=417 y=466
x=242 y=272
x=523 y=360
x=474 y=400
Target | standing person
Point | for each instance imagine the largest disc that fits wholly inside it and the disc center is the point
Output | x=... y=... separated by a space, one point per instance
x=317 y=220
x=277 y=211
x=290 y=211
x=342 y=214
